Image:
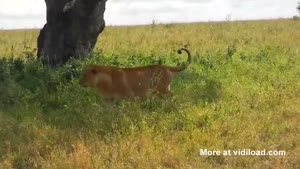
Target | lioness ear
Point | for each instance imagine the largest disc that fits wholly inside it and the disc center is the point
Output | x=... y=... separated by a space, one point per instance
x=94 y=71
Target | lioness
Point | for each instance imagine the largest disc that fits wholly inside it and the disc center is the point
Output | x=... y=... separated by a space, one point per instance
x=119 y=83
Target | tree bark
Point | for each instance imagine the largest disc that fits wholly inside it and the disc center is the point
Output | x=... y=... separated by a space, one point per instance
x=71 y=30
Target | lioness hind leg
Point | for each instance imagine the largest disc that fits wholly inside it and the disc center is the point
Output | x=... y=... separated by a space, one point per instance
x=164 y=90
x=111 y=100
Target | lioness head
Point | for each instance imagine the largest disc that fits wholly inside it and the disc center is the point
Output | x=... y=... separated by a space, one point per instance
x=93 y=75
x=88 y=78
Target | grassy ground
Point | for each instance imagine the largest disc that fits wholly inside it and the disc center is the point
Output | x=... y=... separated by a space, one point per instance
x=242 y=91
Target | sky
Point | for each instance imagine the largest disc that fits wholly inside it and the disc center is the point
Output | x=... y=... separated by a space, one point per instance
x=15 y=14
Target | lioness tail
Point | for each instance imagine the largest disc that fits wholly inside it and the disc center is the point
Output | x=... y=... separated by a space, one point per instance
x=189 y=60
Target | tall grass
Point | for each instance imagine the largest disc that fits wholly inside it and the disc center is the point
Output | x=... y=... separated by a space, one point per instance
x=242 y=91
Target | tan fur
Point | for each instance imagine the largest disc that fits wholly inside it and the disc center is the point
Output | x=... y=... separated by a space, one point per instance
x=118 y=83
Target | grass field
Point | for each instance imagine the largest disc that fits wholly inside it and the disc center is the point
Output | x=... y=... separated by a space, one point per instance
x=242 y=91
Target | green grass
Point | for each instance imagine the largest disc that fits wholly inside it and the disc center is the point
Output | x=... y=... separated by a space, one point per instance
x=242 y=91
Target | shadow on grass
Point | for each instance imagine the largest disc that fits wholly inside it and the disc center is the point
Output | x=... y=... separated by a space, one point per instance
x=198 y=88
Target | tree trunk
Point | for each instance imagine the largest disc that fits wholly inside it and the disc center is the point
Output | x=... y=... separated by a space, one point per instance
x=71 y=30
